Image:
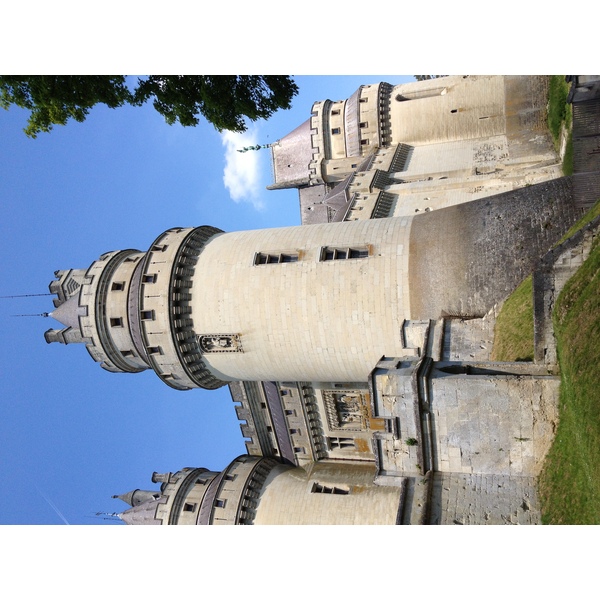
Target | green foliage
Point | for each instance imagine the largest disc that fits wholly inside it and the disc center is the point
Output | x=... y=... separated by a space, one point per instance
x=559 y=112
x=225 y=101
x=54 y=99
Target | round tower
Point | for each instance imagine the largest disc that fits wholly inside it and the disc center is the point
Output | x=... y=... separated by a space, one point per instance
x=254 y=490
x=202 y=307
x=203 y=497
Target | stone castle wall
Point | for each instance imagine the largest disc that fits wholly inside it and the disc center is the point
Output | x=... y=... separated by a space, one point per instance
x=466 y=258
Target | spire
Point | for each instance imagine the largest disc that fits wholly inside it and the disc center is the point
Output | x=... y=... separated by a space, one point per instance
x=68 y=313
x=137 y=497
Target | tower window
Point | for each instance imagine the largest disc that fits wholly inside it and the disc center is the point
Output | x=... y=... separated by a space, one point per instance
x=188 y=507
x=117 y=286
x=150 y=278
x=159 y=248
x=127 y=353
x=329 y=253
x=116 y=322
x=336 y=131
x=336 y=443
x=363 y=100
x=220 y=503
x=147 y=315
x=364 y=124
x=261 y=258
x=317 y=488
x=364 y=142
x=154 y=350
x=335 y=112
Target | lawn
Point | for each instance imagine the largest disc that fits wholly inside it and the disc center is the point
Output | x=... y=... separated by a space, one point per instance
x=570 y=482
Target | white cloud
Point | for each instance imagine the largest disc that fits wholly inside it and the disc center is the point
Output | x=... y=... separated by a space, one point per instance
x=242 y=169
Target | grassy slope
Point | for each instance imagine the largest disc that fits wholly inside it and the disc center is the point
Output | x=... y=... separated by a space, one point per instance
x=513 y=334
x=570 y=482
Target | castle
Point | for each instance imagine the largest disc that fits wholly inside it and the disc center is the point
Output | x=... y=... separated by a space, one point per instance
x=357 y=345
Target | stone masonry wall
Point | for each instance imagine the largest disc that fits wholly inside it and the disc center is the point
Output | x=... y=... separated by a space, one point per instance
x=466 y=258
x=483 y=500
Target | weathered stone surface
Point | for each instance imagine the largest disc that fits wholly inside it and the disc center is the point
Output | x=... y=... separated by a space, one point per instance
x=466 y=258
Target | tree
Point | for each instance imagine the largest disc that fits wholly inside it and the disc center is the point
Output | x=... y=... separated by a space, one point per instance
x=224 y=100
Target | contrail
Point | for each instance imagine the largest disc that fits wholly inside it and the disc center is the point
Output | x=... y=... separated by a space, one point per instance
x=52 y=505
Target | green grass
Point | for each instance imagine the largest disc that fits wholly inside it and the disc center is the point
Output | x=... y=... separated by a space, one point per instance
x=559 y=111
x=567 y=165
x=560 y=114
x=569 y=486
x=513 y=335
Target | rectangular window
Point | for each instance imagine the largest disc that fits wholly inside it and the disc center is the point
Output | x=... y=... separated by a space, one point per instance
x=147 y=315
x=187 y=507
x=363 y=125
x=230 y=477
x=336 y=131
x=329 y=253
x=317 y=488
x=154 y=350
x=364 y=142
x=335 y=112
x=336 y=443
x=127 y=353
x=262 y=258
x=363 y=100
x=116 y=322
x=117 y=286
x=151 y=278
x=220 y=503
x=159 y=248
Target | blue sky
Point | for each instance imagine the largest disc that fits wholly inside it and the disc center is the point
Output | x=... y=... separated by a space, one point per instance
x=72 y=434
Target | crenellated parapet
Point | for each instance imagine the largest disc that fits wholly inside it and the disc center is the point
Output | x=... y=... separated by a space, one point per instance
x=106 y=322
x=132 y=310
x=165 y=312
x=203 y=497
x=94 y=306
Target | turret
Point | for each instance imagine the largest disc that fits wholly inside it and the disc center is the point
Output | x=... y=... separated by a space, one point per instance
x=319 y=302
x=203 y=497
